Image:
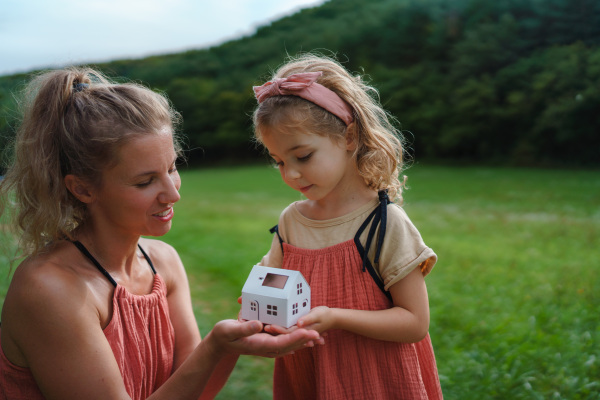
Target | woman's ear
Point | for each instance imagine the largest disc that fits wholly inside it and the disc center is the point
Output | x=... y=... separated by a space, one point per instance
x=79 y=188
x=351 y=136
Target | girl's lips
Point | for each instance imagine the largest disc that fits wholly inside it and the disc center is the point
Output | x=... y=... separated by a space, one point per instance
x=305 y=188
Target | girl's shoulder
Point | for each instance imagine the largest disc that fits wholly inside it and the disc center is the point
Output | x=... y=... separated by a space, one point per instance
x=289 y=209
x=398 y=220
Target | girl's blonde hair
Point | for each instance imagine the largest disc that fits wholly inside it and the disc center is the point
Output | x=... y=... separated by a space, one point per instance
x=74 y=121
x=379 y=152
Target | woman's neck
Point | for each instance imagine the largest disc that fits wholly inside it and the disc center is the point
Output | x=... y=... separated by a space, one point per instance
x=116 y=254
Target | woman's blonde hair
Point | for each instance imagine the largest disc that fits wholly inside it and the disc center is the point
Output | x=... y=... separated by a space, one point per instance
x=379 y=151
x=74 y=121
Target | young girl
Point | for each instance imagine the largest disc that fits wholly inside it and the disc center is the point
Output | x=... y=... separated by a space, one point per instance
x=363 y=258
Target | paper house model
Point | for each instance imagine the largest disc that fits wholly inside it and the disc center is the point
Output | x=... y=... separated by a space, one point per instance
x=275 y=296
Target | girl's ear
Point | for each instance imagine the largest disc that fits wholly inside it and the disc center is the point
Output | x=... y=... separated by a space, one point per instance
x=79 y=188
x=351 y=137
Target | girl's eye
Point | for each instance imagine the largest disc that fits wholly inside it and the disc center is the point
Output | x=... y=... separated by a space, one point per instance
x=305 y=158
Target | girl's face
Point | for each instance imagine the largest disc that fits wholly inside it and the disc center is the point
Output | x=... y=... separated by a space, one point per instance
x=137 y=195
x=317 y=166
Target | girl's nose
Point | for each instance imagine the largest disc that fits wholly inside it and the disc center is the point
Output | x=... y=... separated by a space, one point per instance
x=292 y=173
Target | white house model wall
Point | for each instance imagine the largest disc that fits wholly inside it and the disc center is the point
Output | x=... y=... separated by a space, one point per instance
x=275 y=296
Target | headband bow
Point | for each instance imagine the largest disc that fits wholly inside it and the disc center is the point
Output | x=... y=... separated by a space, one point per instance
x=305 y=85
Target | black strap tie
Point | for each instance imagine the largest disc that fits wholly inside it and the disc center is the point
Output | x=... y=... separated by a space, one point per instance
x=378 y=217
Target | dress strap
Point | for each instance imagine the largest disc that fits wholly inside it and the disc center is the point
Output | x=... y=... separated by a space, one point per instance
x=104 y=272
x=275 y=229
x=378 y=218
x=147 y=259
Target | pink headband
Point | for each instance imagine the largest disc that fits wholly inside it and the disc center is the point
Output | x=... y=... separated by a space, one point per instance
x=304 y=85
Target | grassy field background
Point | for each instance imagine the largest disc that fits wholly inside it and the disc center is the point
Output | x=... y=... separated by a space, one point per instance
x=515 y=296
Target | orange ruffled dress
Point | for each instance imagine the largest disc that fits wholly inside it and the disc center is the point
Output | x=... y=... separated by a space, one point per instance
x=141 y=337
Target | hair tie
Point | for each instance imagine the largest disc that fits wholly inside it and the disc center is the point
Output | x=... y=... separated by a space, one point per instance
x=78 y=87
x=304 y=85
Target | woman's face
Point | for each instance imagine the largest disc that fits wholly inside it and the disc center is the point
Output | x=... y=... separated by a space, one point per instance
x=137 y=195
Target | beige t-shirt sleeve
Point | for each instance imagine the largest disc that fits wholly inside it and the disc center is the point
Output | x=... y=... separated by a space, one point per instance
x=403 y=249
x=274 y=257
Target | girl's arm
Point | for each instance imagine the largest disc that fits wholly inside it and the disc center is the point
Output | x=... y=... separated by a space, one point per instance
x=407 y=321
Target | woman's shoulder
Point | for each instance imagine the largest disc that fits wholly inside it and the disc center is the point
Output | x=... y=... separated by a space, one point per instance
x=56 y=270
x=52 y=283
x=158 y=249
x=164 y=258
x=160 y=253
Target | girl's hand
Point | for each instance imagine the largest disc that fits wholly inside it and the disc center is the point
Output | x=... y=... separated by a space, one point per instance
x=237 y=337
x=320 y=319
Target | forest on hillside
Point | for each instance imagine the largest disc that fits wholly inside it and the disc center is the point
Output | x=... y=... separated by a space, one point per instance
x=504 y=82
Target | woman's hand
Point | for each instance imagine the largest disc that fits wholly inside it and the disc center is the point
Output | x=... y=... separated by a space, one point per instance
x=238 y=337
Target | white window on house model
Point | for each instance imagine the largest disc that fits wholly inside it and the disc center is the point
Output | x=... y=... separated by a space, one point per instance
x=253 y=306
x=271 y=310
x=299 y=288
x=295 y=309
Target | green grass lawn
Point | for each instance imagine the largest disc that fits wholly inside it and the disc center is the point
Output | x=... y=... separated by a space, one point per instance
x=514 y=298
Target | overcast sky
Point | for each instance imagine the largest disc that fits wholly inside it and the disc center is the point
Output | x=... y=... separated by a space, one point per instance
x=47 y=33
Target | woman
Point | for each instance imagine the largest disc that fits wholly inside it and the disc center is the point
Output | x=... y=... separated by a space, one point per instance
x=94 y=310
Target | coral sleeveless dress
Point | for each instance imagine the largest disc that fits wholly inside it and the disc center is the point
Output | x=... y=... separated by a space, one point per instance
x=351 y=366
x=140 y=334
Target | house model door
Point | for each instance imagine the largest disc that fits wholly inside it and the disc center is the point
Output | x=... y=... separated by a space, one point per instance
x=254 y=309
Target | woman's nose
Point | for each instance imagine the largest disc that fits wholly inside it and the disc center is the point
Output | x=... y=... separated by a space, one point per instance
x=170 y=192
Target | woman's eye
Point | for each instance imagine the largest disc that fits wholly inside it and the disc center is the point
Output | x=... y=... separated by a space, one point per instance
x=144 y=184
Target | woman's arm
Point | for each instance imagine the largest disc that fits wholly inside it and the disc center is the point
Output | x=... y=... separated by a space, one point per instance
x=187 y=335
x=208 y=362
x=229 y=337
x=52 y=325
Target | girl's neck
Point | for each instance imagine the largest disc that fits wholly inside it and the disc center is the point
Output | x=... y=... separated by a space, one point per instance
x=338 y=204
